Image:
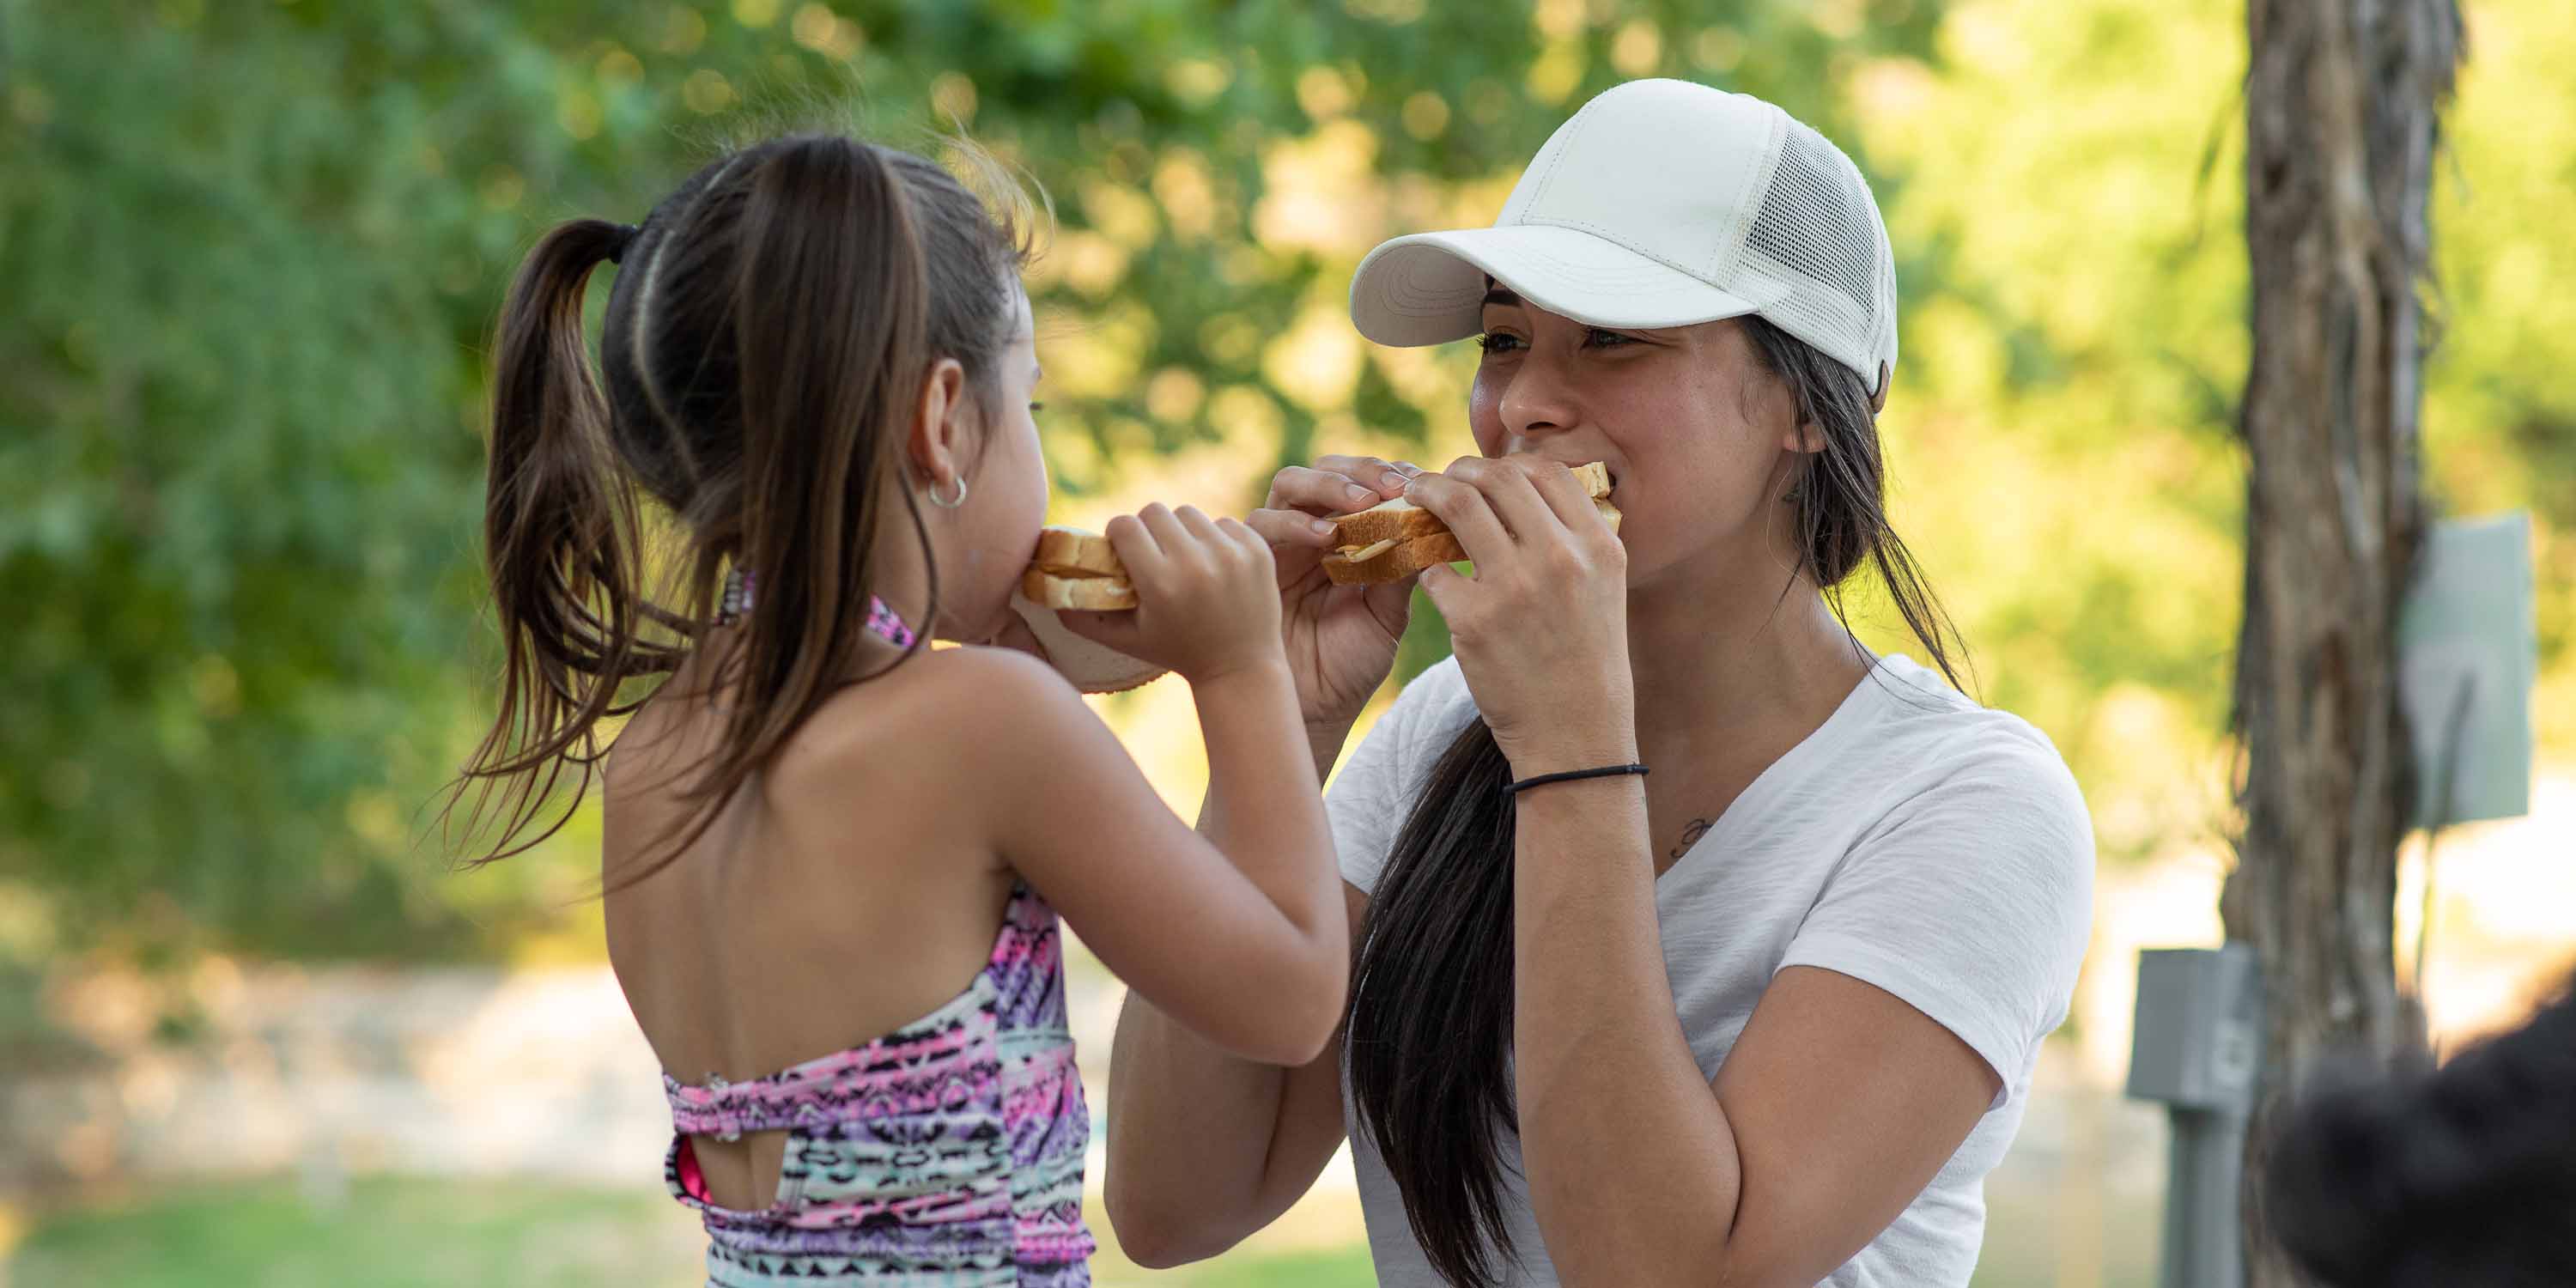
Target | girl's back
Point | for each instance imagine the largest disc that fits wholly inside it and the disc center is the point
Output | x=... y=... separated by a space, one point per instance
x=803 y=921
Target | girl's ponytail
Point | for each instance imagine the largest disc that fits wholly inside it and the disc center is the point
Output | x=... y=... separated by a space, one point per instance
x=560 y=536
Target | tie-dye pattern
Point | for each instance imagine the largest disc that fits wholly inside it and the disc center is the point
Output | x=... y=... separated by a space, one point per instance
x=947 y=1154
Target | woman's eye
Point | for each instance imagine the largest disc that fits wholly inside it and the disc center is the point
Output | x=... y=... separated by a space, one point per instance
x=1600 y=339
x=1036 y=407
x=1497 y=342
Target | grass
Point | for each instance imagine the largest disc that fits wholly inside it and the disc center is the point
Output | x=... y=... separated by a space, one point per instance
x=430 y=1233
x=422 y=1233
x=392 y=1233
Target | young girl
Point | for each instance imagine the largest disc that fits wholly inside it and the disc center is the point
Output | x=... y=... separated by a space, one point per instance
x=834 y=858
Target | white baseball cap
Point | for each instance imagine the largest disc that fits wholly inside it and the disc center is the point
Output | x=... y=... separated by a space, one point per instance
x=1662 y=203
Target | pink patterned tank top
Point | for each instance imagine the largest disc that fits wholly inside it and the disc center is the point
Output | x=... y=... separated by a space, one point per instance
x=948 y=1152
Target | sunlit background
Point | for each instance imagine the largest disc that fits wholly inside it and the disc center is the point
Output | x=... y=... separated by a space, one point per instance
x=252 y=1031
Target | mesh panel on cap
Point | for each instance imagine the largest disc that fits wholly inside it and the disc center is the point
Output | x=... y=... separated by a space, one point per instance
x=1817 y=232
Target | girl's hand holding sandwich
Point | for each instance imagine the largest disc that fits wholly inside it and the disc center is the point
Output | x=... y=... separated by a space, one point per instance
x=1207 y=603
x=1541 y=628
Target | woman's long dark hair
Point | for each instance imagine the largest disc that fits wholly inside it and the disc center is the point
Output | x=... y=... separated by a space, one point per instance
x=764 y=343
x=1431 y=993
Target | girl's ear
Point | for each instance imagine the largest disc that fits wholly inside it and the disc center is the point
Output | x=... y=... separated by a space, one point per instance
x=936 y=443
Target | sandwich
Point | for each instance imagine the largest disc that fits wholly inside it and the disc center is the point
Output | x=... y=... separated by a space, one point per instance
x=1074 y=569
x=1077 y=569
x=1396 y=539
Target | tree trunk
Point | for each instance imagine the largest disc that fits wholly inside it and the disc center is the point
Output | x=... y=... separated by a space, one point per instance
x=2342 y=100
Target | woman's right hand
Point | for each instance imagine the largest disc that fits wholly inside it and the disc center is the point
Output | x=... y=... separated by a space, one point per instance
x=1340 y=640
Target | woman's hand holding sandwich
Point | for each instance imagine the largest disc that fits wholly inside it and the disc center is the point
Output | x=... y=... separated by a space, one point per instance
x=1541 y=628
x=1340 y=639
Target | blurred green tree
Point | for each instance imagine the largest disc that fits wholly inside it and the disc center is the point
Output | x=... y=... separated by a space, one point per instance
x=249 y=257
x=252 y=254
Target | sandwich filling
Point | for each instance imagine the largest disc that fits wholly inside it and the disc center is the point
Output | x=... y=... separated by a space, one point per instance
x=1067 y=572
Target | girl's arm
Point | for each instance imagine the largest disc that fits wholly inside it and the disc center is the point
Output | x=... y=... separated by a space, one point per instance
x=1205 y=1147
x=1244 y=942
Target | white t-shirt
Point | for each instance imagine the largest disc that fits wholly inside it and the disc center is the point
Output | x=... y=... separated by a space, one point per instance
x=1915 y=841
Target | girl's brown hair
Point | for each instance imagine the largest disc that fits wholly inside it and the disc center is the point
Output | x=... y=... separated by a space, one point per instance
x=765 y=344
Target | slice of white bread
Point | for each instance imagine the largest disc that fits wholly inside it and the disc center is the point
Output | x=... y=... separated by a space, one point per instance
x=1093 y=668
x=1077 y=569
x=1397 y=539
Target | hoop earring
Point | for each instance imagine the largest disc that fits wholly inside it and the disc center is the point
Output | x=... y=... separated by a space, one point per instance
x=736 y=600
x=944 y=504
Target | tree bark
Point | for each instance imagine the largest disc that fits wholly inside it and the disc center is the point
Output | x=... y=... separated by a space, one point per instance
x=2342 y=120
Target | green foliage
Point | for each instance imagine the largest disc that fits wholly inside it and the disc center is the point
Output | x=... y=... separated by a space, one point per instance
x=253 y=252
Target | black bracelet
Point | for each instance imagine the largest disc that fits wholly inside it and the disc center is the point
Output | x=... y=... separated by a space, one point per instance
x=1606 y=771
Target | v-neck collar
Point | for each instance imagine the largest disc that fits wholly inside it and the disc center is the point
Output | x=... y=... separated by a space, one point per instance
x=1786 y=768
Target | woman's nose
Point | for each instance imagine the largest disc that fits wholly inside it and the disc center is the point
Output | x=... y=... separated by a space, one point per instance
x=1538 y=399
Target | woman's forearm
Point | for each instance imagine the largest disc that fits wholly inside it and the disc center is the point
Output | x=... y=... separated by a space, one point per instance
x=1325 y=742
x=1189 y=1130
x=1632 y=1166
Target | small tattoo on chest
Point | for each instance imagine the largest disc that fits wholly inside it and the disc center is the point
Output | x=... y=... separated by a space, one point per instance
x=1690 y=836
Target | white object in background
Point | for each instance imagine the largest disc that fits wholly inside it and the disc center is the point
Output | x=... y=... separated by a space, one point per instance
x=2467 y=654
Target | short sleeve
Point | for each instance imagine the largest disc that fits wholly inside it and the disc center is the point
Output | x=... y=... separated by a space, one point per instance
x=1374 y=791
x=1971 y=900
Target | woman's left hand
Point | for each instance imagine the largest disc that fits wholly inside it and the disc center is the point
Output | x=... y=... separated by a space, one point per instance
x=1541 y=629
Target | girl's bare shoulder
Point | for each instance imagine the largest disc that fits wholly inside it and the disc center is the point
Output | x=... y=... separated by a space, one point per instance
x=929 y=715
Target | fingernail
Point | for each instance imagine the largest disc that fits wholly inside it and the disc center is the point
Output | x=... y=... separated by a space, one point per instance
x=1322 y=529
x=1396 y=480
x=1358 y=493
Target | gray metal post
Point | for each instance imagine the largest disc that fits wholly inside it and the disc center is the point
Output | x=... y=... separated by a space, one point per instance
x=2197 y=1049
x=2203 y=1247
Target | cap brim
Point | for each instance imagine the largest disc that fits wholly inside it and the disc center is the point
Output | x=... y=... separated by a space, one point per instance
x=1429 y=288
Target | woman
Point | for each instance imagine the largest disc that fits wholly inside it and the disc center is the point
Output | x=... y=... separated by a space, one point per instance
x=1765 y=1016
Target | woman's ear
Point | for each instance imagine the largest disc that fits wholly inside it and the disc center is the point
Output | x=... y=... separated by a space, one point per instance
x=936 y=443
x=1802 y=435
x=1806 y=438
